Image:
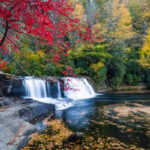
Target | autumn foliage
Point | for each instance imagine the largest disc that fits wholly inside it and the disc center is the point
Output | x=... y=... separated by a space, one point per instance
x=48 y=21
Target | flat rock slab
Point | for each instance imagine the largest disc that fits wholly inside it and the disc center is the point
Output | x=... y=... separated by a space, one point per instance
x=16 y=120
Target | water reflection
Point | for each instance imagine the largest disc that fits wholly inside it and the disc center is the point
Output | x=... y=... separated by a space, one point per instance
x=78 y=117
x=97 y=117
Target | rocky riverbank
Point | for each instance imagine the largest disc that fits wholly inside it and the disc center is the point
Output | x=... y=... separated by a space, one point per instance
x=18 y=119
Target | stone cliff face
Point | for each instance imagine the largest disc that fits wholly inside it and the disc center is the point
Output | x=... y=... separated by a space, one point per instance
x=10 y=85
x=1 y=92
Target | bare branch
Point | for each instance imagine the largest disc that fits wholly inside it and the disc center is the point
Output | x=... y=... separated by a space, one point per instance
x=5 y=33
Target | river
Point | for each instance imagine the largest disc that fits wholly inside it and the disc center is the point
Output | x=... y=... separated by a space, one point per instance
x=122 y=116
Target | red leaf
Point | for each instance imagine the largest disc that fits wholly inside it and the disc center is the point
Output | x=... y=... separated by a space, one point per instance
x=16 y=36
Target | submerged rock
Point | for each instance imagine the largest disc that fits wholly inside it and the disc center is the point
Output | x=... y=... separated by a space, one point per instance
x=76 y=138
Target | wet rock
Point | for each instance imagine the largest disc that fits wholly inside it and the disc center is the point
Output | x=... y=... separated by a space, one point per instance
x=1 y=92
x=16 y=88
x=23 y=142
x=5 y=82
x=35 y=110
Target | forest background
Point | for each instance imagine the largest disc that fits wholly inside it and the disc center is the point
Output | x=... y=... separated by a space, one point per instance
x=120 y=56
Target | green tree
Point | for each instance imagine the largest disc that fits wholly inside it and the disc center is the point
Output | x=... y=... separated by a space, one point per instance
x=145 y=52
x=115 y=72
x=89 y=60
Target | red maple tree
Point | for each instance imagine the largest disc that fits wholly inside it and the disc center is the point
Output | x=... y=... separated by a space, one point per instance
x=48 y=21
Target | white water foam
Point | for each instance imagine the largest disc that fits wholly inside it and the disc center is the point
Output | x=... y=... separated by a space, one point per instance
x=35 y=88
x=76 y=88
x=59 y=105
x=59 y=90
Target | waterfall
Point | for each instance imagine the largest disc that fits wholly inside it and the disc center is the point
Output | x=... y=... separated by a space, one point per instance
x=78 y=88
x=35 y=88
x=50 y=92
x=59 y=90
x=89 y=87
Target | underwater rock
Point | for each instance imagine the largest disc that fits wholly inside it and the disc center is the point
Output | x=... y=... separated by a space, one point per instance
x=76 y=138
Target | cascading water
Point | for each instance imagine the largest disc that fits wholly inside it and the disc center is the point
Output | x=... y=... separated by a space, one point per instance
x=46 y=92
x=35 y=88
x=89 y=87
x=78 y=88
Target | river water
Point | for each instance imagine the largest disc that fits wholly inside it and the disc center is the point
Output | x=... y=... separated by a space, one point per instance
x=125 y=117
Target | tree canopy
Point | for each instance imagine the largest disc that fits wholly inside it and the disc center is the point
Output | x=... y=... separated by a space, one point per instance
x=107 y=40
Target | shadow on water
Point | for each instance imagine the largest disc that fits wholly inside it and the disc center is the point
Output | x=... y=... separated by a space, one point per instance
x=88 y=116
